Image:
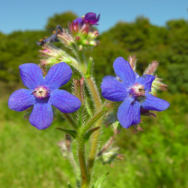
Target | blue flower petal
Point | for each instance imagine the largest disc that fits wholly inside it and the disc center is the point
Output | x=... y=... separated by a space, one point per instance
x=146 y=80
x=31 y=75
x=64 y=101
x=42 y=115
x=21 y=99
x=154 y=103
x=124 y=71
x=112 y=89
x=58 y=75
x=129 y=113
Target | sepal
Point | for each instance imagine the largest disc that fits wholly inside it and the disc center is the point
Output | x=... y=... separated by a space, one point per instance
x=116 y=127
x=110 y=155
x=135 y=128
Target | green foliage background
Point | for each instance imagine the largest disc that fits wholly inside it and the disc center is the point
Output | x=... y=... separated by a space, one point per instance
x=157 y=157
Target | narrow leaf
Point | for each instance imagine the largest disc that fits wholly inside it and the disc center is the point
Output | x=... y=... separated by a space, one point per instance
x=88 y=134
x=78 y=183
x=100 y=181
x=69 y=186
x=73 y=133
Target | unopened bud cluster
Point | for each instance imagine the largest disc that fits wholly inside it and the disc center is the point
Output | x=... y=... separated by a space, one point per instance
x=51 y=55
x=80 y=34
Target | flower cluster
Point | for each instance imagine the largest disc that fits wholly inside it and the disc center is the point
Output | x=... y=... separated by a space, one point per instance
x=134 y=91
x=80 y=32
x=52 y=55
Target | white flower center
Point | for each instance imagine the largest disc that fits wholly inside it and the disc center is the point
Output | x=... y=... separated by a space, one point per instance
x=41 y=92
x=137 y=91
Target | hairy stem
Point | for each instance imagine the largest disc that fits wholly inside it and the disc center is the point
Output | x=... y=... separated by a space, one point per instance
x=86 y=172
x=82 y=159
x=98 y=104
x=93 y=150
x=94 y=92
x=92 y=121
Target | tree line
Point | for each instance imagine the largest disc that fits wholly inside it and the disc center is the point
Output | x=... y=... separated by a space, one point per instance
x=168 y=45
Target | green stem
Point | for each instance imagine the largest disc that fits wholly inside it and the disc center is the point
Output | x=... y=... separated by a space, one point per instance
x=85 y=174
x=82 y=159
x=94 y=119
x=98 y=104
x=88 y=107
x=93 y=150
x=89 y=80
x=94 y=92
x=80 y=116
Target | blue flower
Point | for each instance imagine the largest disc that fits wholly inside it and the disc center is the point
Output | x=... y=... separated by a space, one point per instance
x=133 y=91
x=43 y=93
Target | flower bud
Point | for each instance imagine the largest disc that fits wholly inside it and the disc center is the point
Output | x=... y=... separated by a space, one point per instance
x=157 y=85
x=116 y=127
x=110 y=155
x=79 y=89
x=132 y=62
x=81 y=35
x=151 y=68
x=65 y=145
x=65 y=38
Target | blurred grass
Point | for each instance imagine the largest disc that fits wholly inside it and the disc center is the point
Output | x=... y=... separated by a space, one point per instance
x=156 y=157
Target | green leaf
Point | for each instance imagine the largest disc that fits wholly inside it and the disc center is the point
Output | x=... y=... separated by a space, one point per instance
x=88 y=134
x=73 y=133
x=100 y=181
x=69 y=186
x=78 y=183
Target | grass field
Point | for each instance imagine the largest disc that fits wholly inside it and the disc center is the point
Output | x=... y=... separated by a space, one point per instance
x=154 y=158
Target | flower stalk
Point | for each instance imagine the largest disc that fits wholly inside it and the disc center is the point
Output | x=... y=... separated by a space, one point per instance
x=82 y=159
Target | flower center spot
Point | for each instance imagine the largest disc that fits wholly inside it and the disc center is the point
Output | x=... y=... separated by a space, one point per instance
x=138 y=91
x=41 y=92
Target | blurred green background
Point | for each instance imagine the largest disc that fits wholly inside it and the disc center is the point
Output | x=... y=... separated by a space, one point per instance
x=156 y=157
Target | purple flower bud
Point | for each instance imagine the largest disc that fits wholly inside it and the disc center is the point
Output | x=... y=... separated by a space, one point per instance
x=91 y=18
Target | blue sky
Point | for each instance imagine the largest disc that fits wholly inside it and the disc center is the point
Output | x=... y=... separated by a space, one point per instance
x=33 y=14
